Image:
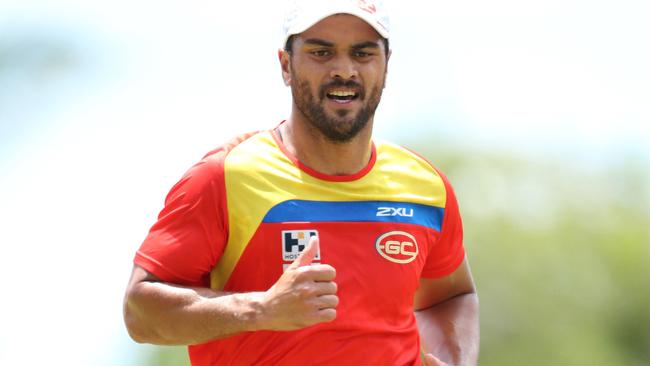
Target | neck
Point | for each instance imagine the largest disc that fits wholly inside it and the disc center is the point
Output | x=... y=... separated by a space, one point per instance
x=316 y=151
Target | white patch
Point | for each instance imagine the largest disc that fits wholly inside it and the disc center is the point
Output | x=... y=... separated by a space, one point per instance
x=293 y=243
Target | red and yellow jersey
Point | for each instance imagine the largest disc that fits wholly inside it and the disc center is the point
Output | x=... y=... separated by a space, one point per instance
x=242 y=214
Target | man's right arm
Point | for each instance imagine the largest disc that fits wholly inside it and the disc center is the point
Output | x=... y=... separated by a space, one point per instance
x=162 y=313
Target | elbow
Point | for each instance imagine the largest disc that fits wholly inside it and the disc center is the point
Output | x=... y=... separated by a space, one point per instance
x=140 y=333
x=134 y=327
x=139 y=309
x=137 y=323
x=137 y=336
x=143 y=328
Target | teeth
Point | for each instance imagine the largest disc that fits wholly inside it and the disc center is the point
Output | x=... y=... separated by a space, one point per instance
x=339 y=93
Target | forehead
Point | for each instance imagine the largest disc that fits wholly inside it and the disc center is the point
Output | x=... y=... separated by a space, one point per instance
x=341 y=29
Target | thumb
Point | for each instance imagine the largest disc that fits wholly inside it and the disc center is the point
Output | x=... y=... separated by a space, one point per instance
x=307 y=255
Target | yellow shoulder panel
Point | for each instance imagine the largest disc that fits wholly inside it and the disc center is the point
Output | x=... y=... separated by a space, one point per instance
x=258 y=176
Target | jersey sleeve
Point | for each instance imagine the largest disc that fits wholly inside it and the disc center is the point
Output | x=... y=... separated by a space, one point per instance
x=446 y=251
x=186 y=242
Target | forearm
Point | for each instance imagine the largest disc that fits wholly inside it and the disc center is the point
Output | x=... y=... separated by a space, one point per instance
x=160 y=313
x=450 y=330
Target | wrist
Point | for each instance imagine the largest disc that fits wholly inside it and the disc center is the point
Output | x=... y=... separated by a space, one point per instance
x=253 y=314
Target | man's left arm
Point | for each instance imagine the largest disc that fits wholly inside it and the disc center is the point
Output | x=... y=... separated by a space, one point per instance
x=447 y=314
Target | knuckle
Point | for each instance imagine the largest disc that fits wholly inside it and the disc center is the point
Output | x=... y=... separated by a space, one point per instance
x=330 y=273
x=304 y=292
x=301 y=274
x=328 y=270
x=335 y=300
x=328 y=302
x=333 y=272
x=329 y=315
x=332 y=301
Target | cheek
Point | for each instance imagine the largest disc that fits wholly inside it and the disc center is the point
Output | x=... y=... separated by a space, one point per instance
x=302 y=90
x=312 y=72
x=376 y=74
x=307 y=86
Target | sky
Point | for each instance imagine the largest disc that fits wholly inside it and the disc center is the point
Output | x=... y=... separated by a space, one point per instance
x=104 y=105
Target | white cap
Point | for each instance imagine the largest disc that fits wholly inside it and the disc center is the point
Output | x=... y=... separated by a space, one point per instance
x=302 y=14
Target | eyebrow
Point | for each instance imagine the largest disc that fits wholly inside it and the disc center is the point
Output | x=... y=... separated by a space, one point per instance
x=318 y=42
x=368 y=44
x=324 y=43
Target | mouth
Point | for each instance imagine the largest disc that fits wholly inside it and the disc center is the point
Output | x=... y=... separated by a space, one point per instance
x=342 y=96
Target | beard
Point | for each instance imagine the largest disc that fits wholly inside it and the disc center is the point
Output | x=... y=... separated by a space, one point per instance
x=344 y=126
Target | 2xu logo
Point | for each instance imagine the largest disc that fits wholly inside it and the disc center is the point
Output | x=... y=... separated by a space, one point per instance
x=397 y=247
x=394 y=211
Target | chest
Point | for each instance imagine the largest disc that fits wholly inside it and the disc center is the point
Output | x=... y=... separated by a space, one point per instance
x=375 y=262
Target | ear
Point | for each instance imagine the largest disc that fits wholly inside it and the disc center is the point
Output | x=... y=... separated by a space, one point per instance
x=285 y=64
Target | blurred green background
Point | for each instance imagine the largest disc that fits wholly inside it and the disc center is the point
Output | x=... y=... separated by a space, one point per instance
x=538 y=114
x=560 y=254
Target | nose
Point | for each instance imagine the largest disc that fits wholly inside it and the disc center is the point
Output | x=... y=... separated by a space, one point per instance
x=343 y=67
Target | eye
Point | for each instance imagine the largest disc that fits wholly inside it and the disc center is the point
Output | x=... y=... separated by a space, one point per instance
x=361 y=54
x=321 y=53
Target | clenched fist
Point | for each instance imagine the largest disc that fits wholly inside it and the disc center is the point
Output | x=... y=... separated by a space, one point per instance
x=304 y=295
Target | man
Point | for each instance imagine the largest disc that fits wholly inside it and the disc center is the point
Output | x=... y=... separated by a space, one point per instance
x=310 y=243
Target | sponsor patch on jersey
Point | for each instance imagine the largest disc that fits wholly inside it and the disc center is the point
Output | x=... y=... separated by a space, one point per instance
x=397 y=247
x=294 y=242
x=394 y=211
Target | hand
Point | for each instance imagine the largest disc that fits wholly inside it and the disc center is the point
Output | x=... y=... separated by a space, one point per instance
x=431 y=360
x=304 y=295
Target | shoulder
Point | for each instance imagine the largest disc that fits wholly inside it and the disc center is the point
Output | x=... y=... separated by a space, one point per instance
x=391 y=153
x=212 y=163
x=416 y=171
x=216 y=156
x=207 y=174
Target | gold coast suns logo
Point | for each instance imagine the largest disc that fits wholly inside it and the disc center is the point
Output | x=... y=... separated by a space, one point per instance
x=397 y=247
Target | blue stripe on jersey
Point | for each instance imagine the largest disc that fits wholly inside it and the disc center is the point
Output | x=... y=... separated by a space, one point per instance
x=356 y=211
